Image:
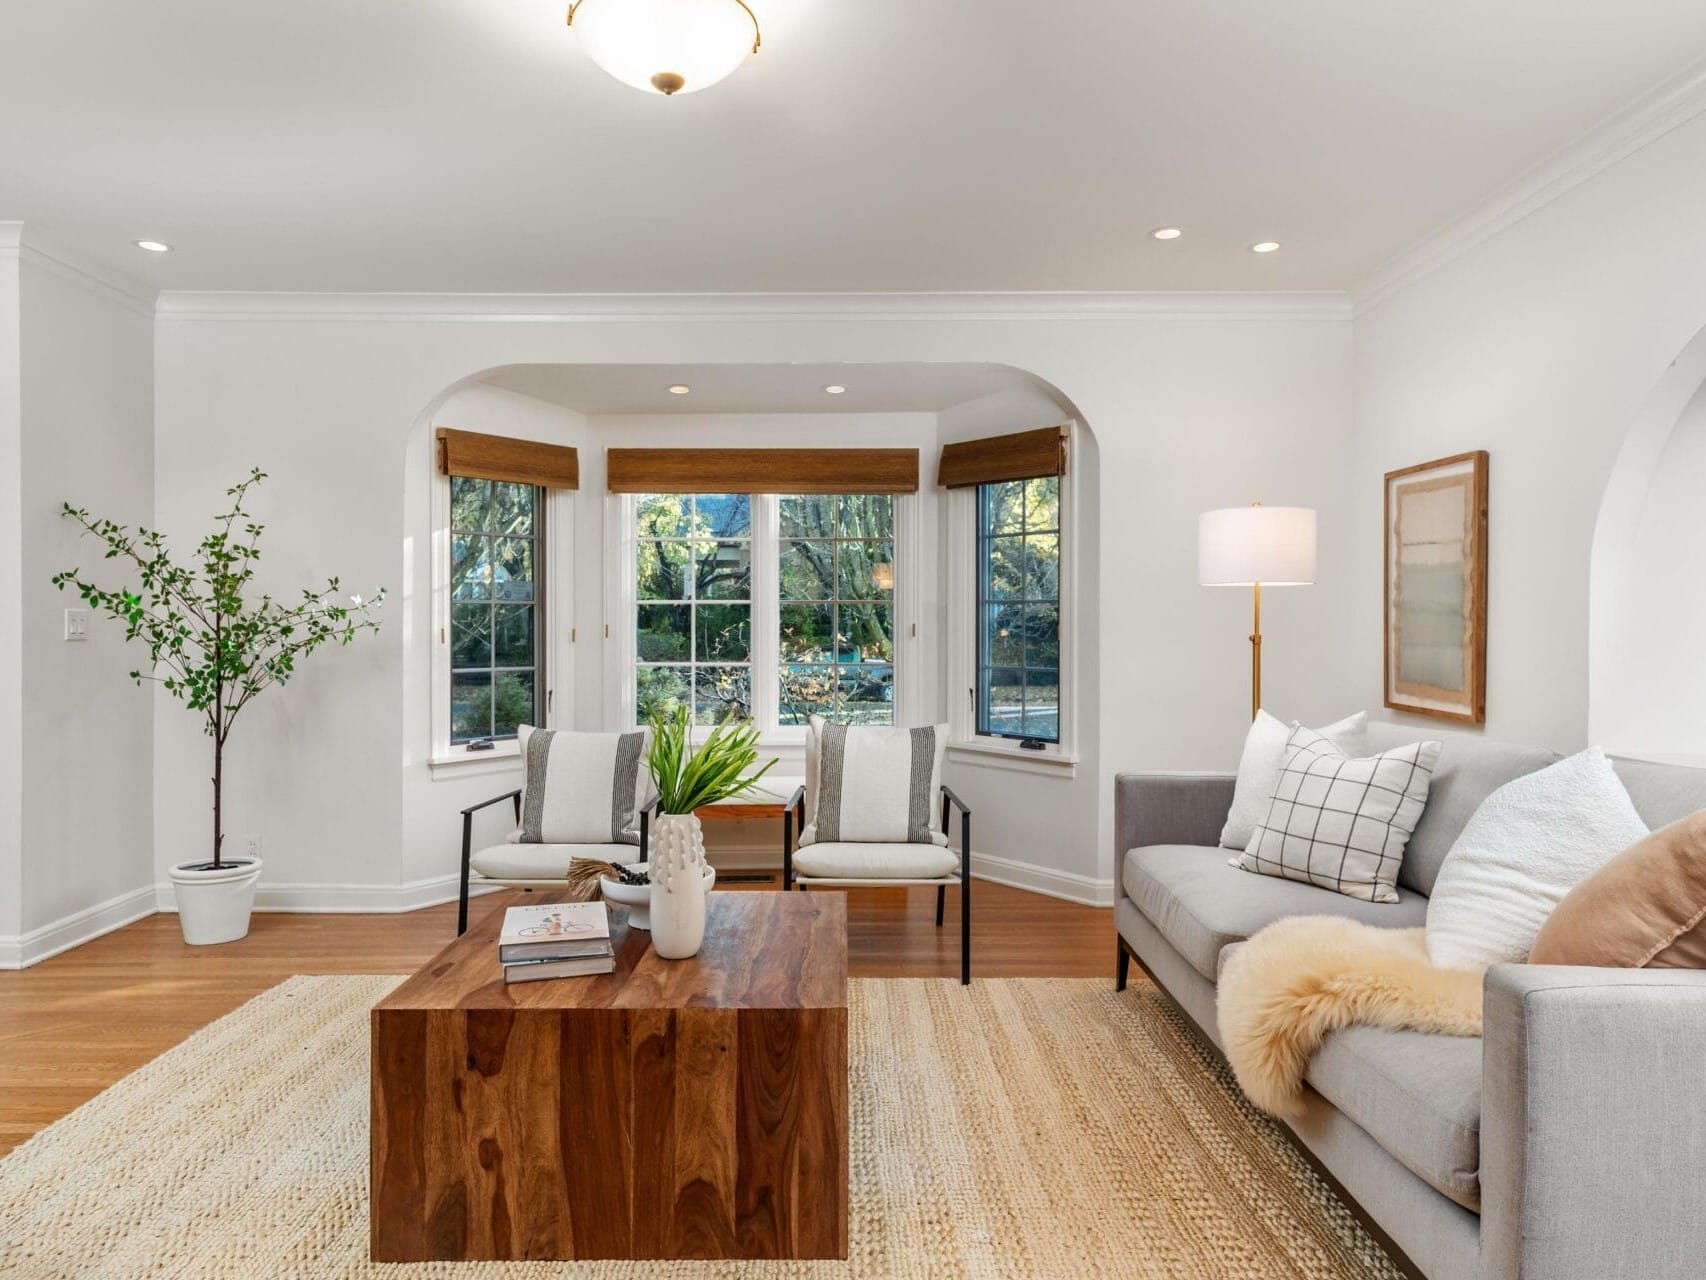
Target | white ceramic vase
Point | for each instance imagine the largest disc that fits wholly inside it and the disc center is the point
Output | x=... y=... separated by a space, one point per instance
x=214 y=906
x=679 y=885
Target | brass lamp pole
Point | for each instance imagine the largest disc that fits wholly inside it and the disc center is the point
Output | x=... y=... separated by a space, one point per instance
x=1251 y=547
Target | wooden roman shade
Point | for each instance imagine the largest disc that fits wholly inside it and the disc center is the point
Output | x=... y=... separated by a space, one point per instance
x=468 y=453
x=763 y=470
x=1025 y=455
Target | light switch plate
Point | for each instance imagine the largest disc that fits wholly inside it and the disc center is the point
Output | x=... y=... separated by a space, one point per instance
x=76 y=624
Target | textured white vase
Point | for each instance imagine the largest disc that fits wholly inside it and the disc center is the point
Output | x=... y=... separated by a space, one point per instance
x=679 y=885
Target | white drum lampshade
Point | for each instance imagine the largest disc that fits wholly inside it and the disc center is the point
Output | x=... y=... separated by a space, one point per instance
x=666 y=46
x=1243 y=546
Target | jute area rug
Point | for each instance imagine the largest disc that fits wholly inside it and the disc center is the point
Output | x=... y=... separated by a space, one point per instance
x=1038 y=1127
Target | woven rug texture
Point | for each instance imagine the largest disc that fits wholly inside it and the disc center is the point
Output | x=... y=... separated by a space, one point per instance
x=1016 y=1128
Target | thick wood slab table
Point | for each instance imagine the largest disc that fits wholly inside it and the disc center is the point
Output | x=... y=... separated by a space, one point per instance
x=671 y=1109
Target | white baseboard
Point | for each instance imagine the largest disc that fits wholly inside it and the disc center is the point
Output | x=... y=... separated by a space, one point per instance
x=1044 y=880
x=346 y=899
x=20 y=951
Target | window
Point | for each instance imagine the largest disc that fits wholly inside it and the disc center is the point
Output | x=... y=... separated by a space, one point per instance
x=693 y=604
x=1017 y=689
x=494 y=626
x=835 y=615
x=774 y=607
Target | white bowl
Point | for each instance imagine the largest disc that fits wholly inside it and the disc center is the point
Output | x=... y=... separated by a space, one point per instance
x=638 y=897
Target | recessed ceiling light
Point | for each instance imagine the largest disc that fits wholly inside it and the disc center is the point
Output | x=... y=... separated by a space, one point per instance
x=835 y=389
x=1266 y=246
x=154 y=246
x=679 y=389
x=1166 y=233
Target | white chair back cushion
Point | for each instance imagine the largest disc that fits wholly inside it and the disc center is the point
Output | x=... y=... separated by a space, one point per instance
x=582 y=788
x=871 y=784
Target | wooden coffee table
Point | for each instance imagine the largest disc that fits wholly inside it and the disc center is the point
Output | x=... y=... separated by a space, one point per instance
x=671 y=1109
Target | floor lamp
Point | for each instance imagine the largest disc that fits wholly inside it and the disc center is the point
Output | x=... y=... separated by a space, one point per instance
x=1253 y=547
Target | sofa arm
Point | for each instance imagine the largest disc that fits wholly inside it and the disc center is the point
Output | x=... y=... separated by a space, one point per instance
x=1593 y=1123
x=1167 y=808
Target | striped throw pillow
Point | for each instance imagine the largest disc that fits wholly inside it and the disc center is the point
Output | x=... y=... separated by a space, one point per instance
x=872 y=785
x=582 y=788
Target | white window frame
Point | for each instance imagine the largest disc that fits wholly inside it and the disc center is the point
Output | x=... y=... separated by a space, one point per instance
x=556 y=646
x=965 y=742
x=621 y=608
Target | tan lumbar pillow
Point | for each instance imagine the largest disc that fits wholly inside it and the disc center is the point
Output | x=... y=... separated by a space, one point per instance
x=1646 y=908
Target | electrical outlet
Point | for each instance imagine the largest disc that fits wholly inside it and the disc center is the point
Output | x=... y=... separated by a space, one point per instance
x=252 y=846
x=76 y=624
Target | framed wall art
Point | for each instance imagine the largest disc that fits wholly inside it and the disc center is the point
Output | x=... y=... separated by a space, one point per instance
x=1436 y=588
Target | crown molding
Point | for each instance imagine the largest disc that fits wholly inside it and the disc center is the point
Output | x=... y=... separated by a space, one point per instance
x=757 y=307
x=1644 y=121
x=115 y=287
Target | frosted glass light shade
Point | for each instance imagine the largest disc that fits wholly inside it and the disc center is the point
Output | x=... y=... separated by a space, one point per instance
x=1238 y=546
x=666 y=46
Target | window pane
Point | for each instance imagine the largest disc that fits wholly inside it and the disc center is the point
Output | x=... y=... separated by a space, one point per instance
x=1004 y=701
x=721 y=691
x=864 y=633
x=1042 y=566
x=808 y=570
x=661 y=571
x=470 y=705
x=867 y=695
x=1004 y=635
x=512 y=635
x=470 y=567
x=663 y=633
x=808 y=515
x=469 y=499
x=1042 y=705
x=512 y=569
x=723 y=515
x=471 y=635
x=510 y=513
x=722 y=632
x=806 y=632
x=1042 y=504
x=865 y=515
x=723 y=570
x=865 y=570
x=1003 y=507
x=660 y=689
x=805 y=691
x=661 y=515
x=1005 y=567
x=1042 y=637
x=514 y=703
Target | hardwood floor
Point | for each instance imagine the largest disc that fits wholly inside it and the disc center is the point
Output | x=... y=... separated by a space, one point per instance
x=73 y=1025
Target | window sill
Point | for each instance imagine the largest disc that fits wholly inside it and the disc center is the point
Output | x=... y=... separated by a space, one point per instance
x=502 y=758
x=1052 y=764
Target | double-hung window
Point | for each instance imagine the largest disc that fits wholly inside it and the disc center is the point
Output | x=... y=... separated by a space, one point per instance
x=496 y=558
x=1018 y=609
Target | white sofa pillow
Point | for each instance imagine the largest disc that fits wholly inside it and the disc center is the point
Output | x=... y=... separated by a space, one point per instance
x=872 y=784
x=1530 y=843
x=1259 y=769
x=1339 y=823
x=582 y=788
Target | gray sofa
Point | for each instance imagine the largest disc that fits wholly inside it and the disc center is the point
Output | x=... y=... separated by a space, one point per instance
x=1567 y=1144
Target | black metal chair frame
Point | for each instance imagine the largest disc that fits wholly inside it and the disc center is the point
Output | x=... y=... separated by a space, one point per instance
x=950 y=801
x=468 y=844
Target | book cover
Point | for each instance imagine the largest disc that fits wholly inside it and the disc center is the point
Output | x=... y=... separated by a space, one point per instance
x=555 y=931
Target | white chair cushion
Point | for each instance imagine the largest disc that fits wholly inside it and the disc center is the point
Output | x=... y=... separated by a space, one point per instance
x=542 y=861
x=869 y=861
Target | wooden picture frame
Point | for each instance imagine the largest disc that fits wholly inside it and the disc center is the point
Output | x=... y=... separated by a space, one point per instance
x=1435 y=591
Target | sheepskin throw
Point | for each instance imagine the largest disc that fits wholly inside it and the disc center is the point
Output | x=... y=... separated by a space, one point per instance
x=1298 y=980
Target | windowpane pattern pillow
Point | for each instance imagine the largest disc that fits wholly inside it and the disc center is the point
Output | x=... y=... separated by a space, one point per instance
x=1340 y=823
x=582 y=788
x=872 y=785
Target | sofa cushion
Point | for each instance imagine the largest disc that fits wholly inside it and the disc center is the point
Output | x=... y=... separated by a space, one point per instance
x=866 y=860
x=1663 y=793
x=1469 y=770
x=1417 y=1095
x=514 y=861
x=1200 y=904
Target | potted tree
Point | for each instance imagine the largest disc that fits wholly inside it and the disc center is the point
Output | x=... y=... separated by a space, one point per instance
x=686 y=781
x=214 y=648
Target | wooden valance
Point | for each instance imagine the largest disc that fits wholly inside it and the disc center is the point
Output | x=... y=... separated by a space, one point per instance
x=1024 y=455
x=763 y=470
x=468 y=453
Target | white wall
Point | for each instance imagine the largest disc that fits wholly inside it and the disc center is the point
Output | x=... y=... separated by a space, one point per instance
x=1192 y=403
x=86 y=801
x=1540 y=344
x=11 y=619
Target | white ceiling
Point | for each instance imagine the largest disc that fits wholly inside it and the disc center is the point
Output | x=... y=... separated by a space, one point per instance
x=762 y=388
x=469 y=145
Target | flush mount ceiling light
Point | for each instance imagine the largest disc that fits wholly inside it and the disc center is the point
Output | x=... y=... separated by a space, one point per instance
x=835 y=389
x=153 y=246
x=679 y=388
x=1166 y=233
x=666 y=46
x=1265 y=246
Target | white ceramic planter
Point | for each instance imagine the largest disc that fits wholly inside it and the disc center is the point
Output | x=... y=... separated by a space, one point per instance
x=679 y=888
x=214 y=906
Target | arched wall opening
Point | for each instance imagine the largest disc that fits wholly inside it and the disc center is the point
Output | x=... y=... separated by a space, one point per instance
x=1647 y=597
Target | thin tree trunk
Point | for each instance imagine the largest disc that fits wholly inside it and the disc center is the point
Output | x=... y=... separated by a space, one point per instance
x=218 y=788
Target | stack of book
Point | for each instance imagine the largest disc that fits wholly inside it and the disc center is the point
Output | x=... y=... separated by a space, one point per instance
x=563 y=940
